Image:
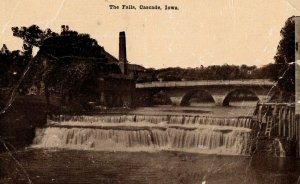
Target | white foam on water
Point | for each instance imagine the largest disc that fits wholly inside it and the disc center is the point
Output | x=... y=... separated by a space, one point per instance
x=123 y=133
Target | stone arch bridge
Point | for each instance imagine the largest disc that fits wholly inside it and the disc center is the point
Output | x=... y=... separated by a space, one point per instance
x=220 y=90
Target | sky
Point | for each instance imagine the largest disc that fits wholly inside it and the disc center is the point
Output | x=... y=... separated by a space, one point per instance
x=201 y=32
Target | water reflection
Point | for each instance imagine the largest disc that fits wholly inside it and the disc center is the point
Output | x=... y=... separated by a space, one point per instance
x=71 y=166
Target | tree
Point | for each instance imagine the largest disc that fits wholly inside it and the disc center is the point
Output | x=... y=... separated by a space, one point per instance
x=66 y=61
x=12 y=63
x=32 y=36
x=285 y=60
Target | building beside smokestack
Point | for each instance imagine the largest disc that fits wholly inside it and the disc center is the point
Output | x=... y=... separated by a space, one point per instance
x=118 y=89
x=113 y=82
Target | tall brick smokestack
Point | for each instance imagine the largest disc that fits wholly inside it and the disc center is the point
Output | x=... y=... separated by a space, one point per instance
x=122 y=53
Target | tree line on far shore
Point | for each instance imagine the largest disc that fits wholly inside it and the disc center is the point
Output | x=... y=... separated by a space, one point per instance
x=213 y=72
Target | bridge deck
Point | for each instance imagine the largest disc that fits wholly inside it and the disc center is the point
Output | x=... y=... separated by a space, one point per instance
x=165 y=84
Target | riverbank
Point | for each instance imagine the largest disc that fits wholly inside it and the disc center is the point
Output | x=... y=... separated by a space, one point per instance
x=19 y=122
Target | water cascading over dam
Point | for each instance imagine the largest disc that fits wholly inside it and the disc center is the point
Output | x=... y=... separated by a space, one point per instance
x=147 y=133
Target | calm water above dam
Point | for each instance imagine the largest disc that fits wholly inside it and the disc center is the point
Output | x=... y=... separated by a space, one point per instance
x=206 y=109
x=148 y=145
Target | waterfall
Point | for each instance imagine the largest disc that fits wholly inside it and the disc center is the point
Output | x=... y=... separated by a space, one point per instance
x=156 y=119
x=146 y=133
x=280 y=148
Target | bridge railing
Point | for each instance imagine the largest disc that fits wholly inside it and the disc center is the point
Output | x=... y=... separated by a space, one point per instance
x=204 y=83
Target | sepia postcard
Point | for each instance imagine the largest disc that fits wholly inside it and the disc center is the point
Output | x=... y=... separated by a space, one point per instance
x=149 y=91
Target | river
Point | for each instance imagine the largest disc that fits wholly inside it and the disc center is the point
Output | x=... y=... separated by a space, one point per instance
x=199 y=144
x=78 y=166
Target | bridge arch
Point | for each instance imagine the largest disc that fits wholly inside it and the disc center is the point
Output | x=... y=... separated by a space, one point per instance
x=204 y=95
x=240 y=93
